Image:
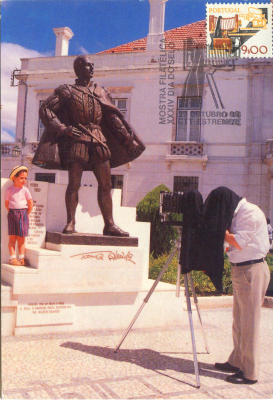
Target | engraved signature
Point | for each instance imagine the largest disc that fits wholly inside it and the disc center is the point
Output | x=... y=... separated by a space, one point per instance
x=108 y=254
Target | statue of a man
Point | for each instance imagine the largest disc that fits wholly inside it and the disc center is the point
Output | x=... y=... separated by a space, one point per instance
x=86 y=132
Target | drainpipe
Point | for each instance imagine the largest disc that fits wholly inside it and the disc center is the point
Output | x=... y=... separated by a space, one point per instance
x=25 y=110
x=22 y=81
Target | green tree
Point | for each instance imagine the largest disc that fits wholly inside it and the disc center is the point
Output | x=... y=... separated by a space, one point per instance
x=162 y=236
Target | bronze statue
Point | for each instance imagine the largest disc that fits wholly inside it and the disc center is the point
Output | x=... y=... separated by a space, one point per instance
x=86 y=132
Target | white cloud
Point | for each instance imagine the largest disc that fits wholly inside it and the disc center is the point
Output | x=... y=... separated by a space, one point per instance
x=10 y=59
x=6 y=137
x=83 y=50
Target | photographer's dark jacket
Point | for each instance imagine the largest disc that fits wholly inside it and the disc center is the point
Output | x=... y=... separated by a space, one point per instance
x=219 y=209
x=89 y=109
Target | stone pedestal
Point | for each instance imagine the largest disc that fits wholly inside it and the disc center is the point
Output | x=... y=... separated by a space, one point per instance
x=82 y=264
x=69 y=276
x=81 y=281
x=71 y=273
x=73 y=287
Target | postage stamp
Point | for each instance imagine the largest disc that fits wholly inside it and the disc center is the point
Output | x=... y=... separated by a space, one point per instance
x=239 y=29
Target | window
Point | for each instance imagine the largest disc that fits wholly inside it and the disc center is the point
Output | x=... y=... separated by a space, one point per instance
x=117 y=183
x=41 y=126
x=45 y=177
x=188 y=124
x=185 y=183
x=121 y=104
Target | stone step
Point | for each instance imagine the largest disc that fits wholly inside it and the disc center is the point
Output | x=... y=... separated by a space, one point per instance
x=42 y=258
x=11 y=274
x=6 y=295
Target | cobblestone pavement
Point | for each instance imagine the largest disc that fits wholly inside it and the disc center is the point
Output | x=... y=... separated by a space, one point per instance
x=151 y=363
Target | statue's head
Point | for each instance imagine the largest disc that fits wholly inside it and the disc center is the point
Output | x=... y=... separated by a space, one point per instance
x=83 y=67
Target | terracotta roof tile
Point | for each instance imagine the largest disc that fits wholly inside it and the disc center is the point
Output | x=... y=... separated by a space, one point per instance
x=193 y=34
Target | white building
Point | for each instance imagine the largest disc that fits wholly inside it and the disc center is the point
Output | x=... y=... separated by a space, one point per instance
x=203 y=127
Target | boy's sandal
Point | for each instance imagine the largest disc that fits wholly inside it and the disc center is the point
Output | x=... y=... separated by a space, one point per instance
x=14 y=262
x=23 y=262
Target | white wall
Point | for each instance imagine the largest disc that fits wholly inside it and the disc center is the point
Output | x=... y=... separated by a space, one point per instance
x=233 y=160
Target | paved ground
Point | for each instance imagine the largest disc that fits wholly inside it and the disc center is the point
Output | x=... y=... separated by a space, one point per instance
x=151 y=363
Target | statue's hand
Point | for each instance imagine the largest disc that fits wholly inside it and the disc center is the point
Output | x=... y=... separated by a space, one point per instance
x=134 y=148
x=71 y=131
x=68 y=131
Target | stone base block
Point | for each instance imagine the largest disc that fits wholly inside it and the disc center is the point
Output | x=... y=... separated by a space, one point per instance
x=8 y=310
x=52 y=313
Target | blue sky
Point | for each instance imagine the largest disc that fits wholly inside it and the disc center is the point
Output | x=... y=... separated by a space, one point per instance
x=97 y=25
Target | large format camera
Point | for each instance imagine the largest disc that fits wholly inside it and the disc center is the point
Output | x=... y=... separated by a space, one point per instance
x=171 y=207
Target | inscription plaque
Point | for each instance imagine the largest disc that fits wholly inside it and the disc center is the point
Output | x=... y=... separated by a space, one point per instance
x=44 y=313
x=37 y=218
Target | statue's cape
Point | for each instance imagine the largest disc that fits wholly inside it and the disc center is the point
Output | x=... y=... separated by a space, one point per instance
x=47 y=153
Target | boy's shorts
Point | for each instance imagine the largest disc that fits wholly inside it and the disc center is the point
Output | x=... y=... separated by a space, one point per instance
x=18 y=222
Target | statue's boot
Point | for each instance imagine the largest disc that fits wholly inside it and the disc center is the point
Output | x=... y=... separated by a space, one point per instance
x=69 y=228
x=114 y=230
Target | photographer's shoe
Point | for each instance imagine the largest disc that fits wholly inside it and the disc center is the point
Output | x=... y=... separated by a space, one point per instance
x=239 y=379
x=226 y=367
x=114 y=230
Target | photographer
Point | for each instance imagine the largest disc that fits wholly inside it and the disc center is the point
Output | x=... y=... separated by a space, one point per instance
x=246 y=233
x=270 y=231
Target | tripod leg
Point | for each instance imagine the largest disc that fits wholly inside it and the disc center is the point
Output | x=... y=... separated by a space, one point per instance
x=198 y=312
x=178 y=280
x=164 y=269
x=196 y=368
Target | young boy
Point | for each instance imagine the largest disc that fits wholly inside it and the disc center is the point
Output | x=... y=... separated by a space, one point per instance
x=18 y=202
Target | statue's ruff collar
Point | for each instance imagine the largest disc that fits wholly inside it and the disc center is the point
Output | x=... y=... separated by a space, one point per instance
x=84 y=83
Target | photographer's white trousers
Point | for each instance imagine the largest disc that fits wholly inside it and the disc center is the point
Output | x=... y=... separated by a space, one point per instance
x=250 y=283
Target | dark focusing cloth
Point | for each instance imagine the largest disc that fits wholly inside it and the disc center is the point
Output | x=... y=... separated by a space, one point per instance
x=218 y=212
x=204 y=230
x=192 y=205
x=18 y=222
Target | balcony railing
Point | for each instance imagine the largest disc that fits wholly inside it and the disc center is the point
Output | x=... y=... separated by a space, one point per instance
x=187 y=151
x=11 y=149
x=269 y=148
x=268 y=159
x=15 y=149
x=193 y=149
